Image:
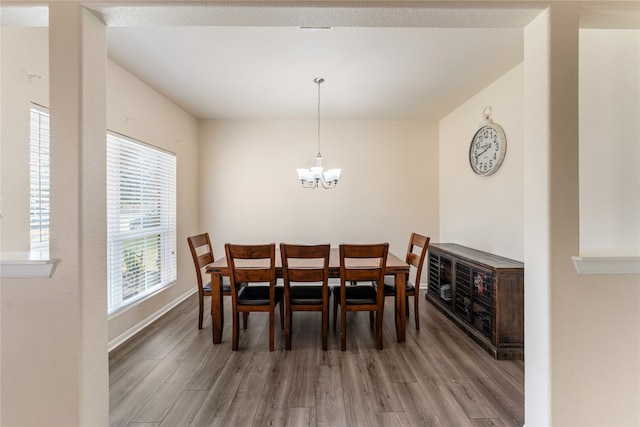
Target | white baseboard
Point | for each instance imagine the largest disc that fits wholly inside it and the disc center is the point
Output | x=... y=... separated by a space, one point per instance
x=119 y=340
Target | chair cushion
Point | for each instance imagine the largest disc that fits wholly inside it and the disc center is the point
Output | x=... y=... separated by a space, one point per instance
x=360 y=294
x=257 y=295
x=306 y=295
x=390 y=286
x=226 y=285
x=207 y=287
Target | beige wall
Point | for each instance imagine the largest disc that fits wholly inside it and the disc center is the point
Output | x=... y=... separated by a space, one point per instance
x=582 y=332
x=137 y=111
x=133 y=109
x=32 y=336
x=250 y=192
x=593 y=314
x=609 y=142
x=24 y=52
x=53 y=330
x=583 y=339
x=484 y=212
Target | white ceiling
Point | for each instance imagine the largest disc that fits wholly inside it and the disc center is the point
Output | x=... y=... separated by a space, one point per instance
x=268 y=72
x=381 y=60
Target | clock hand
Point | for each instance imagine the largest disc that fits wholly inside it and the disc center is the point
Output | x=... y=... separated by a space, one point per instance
x=483 y=151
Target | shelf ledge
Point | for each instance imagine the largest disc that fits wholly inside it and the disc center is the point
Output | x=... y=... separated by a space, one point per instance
x=606 y=265
x=34 y=264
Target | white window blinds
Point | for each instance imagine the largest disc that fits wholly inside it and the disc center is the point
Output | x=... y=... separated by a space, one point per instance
x=141 y=220
x=39 y=178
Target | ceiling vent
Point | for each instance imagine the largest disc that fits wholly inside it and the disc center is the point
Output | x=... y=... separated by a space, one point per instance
x=309 y=28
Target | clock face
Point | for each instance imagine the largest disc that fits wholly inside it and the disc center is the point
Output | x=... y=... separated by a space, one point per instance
x=487 y=149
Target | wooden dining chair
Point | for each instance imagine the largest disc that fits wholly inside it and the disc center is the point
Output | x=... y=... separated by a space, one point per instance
x=360 y=263
x=260 y=292
x=416 y=254
x=202 y=254
x=305 y=270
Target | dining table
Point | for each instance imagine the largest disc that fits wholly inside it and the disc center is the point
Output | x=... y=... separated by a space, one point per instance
x=395 y=267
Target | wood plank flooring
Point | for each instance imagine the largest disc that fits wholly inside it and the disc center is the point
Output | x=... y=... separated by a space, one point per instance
x=171 y=374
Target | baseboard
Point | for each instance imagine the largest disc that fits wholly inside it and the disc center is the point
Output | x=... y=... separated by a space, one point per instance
x=122 y=338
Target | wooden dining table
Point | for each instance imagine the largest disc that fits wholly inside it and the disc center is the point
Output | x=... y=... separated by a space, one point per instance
x=395 y=266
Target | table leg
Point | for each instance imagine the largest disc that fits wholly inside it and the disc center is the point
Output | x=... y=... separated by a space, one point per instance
x=401 y=307
x=217 y=313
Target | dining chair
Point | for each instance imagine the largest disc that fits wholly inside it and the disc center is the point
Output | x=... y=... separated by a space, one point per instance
x=360 y=263
x=305 y=270
x=416 y=254
x=202 y=254
x=254 y=265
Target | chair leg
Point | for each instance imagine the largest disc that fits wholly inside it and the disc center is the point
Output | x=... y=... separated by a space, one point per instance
x=281 y=313
x=371 y=319
x=287 y=330
x=245 y=319
x=416 y=312
x=272 y=316
x=236 y=326
x=379 y=329
x=201 y=310
x=343 y=328
x=335 y=312
x=325 y=326
x=406 y=305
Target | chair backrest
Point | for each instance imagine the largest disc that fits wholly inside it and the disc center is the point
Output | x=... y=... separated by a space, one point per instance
x=200 y=257
x=251 y=264
x=417 y=259
x=303 y=268
x=369 y=265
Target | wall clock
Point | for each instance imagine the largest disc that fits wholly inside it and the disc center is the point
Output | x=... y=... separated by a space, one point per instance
x=488 y=146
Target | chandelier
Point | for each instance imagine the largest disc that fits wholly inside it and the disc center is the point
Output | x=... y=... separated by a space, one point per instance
x=316 y=175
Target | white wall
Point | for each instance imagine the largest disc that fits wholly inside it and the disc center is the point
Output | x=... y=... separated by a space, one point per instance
x=484 y=212
x=250 y=192
x=609 y=142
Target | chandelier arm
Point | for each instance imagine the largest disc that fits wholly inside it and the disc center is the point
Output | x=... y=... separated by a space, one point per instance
x=327 y=184
x=309 y=184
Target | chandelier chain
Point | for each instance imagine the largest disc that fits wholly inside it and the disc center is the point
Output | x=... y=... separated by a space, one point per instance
x=319 y=81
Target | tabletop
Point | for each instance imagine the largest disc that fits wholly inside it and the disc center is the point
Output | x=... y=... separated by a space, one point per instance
x=394 y=264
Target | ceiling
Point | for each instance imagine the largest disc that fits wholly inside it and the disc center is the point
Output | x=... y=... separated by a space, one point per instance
x=233 y=72
x=381 y=60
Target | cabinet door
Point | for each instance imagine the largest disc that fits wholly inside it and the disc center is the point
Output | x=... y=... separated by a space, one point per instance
x=462 y=303
x=482 y=301
x=434 y=273
x=440 y=277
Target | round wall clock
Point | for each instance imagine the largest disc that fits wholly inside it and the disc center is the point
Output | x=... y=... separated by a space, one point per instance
x=488 y=146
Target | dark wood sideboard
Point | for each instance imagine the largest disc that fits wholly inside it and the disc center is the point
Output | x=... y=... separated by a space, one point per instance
x=482 y=293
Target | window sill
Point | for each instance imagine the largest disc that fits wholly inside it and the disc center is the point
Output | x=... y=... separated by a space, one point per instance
x=34 y=264
x=606 y=265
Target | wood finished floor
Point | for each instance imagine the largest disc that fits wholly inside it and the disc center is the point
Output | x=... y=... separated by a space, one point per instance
x=171 y=374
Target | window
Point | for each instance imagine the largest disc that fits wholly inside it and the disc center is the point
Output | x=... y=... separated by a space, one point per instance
x=141 y=220
x=39 y=178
